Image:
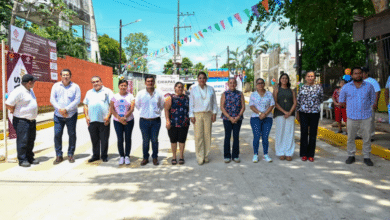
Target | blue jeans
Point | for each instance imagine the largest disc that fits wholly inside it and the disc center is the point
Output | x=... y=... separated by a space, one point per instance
x=128 y=130
x=229 y=127
x=59 y=124
x=150 y=130
x=261 y=127
x=26 y=132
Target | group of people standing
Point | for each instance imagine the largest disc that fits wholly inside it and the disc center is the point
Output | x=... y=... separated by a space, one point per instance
x=199 y=108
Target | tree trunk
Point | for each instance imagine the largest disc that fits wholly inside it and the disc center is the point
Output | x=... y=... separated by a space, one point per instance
x=14 y=10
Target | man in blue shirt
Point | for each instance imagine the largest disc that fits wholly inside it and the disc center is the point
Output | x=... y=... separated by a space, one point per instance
x=358 y=96
x=65 y=97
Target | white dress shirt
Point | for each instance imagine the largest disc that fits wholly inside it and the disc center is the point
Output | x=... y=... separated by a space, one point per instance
x=25 y=103
x=67 y=97
x=203 y=100
x=150 y=106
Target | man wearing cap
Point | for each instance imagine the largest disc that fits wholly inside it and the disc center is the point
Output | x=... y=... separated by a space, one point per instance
x=65 y=97
x=377 y=89
x=22 y=103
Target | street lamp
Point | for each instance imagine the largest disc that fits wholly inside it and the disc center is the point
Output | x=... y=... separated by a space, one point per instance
x=120 y=42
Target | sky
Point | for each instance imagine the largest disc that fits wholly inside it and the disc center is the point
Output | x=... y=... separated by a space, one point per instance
x=160 y=16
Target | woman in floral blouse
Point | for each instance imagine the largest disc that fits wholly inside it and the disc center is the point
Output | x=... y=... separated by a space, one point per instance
x=310 y=97
x=232 y=107
x=261 y=103
x=178 y=122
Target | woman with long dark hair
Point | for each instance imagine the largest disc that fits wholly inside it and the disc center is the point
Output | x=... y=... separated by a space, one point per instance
x=284 y=113
x=310 y=97
x=122 y=107
x=178 y=121
x=261 y=103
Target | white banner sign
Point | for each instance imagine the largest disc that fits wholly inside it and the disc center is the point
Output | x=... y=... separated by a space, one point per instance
x=166 y=83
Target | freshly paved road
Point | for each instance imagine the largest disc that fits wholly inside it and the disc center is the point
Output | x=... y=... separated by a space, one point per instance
x=325 y=189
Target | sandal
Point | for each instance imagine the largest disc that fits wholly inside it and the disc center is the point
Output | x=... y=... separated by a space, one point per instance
x=174 y=161
x=181 y=161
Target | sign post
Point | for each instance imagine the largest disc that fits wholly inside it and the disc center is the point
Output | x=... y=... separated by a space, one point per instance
x=3 y=54
x=166 y=83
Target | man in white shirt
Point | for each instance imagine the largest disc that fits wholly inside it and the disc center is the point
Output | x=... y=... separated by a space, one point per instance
x=97 y=114
x=203 y=112
x=22 y=103
x=150 y=103
x=65 y=97
x=377 y=89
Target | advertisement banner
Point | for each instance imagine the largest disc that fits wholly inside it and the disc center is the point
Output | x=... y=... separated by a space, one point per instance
x=17 y=66
x=43 y=50
x=166 y=83
x=219 y=86
x=218 y=73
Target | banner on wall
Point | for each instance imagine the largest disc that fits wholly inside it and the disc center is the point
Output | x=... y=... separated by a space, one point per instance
x=43 y=50
x=166 y=83
x=17 y=66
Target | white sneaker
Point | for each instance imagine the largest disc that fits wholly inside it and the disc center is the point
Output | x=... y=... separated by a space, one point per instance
x=127 y=160
x=267 y=158
x=255 y=158
x=121 y=160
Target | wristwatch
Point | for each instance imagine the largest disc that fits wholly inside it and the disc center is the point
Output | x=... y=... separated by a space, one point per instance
x=259 y=113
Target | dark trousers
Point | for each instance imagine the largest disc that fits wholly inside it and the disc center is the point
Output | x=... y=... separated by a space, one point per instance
x=307 y=120
x=128 y=130
x=150 y=130
x=59 y=124
x=26 y=132
x=229 y=127
x=99 y=136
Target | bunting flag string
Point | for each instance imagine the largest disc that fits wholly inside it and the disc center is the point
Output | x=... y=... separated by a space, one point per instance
x=254 y=10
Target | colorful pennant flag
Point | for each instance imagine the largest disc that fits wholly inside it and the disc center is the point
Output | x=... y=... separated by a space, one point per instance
x=247 y=12
x=279 y=3
x=222 y=24
x=255 y=11
x=230 y=19
x=173 y=46
x=196 y=35
x=190 y=38
x=210 y=28
x=238 y=17
x=265 y=5
x=217 y=27
x=204 y=30
x=185 y=39
x=179 y=43
x=200 y=34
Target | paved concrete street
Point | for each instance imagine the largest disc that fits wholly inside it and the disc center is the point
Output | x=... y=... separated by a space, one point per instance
x=325 y=189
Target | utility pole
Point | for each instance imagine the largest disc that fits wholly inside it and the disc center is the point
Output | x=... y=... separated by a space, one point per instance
x=177 y=47
x=120 y=42
x=228 y=55
x=216 y=60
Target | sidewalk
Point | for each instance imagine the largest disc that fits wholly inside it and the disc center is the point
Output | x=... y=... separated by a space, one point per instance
x=328 y=133
x=44 y=120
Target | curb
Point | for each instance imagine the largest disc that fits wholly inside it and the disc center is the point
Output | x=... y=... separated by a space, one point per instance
x=45 y=124
x=341 y=141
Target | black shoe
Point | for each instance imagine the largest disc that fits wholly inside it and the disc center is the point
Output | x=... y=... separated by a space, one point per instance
x=105 y=159
x=25 y=164
x=368 y=162
x=34 y=161
x=350 y=160
x=92 y=160
x=358 y=138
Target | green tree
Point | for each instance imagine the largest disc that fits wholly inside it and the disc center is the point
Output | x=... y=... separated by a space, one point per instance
x=199 y=66
x=5 y=15
x=168 y=67
x=109 y=52
x=325 y=28
x=137 y=45
x=186 y=64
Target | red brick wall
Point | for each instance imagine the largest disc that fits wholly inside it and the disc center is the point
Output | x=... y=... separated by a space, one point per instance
x=82 y=71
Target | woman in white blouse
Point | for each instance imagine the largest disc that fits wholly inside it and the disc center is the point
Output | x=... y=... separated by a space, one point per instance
x=203 y=112
x=261 y=103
